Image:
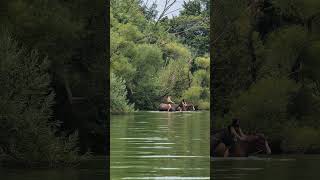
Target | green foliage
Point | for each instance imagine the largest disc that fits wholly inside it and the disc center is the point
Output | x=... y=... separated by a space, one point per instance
x=303 y=9
x=147 y=60
x=201 y=78
x=192 y=31
x=129 y=32
x=265 y=69
x=128 y=11
x=311 y=61
x=193 y=94
x=154 y=63
x=301 y=140
x=150 y=12
x=284 y=48
x=204 y=105
x=198 y=96
x=118 y=93
x=70 y=34
x=191 y=8
x=264 y=106
x=122 y=67
x=28 y=132
x=174 y=78
x=304 y=107
x=203 y=62
x=175 y=50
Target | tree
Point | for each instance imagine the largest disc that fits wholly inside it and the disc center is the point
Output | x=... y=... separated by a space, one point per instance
x=28 y=131
x=119 y=102
x=69 y=34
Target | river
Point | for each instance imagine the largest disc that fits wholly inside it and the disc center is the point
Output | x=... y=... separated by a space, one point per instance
x=93 y=169
x=160 y=145
x=274 y=167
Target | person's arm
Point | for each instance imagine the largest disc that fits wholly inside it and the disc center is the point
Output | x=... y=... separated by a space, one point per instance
x=169 y=100
x=242 y=134
x=233 y=131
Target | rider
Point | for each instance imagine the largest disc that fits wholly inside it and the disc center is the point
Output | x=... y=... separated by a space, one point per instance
x=234 y=133
x=183 y=105
x=169 y=102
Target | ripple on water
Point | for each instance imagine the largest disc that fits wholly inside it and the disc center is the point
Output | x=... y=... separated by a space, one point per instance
x=147 y=138
x=239 y=159
x=153 y=147
x=248 y=169
x=169 y=156
x=160 y=145
x=154 y=143
x=166 y=177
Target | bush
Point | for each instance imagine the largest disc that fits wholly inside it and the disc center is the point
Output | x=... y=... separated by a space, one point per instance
x=204 y=105
x=301 y=140
x=263 y=107
x=118 y=95
x=201 y=78
x=193 y=94
x=203 y=62
x=175 y=51
x=27 y=130
x=174 y=78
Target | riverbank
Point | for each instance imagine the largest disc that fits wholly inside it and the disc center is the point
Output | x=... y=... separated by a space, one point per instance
x=156 y=111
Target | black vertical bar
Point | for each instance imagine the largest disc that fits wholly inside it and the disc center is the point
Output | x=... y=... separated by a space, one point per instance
x=107 y=87
x=212 y=72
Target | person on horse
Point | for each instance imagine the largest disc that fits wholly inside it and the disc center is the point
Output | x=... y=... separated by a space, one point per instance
x=183 y=105
x=234 y=133
x=169 y=102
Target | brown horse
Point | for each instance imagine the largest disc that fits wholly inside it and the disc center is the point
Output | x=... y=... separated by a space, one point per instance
x=188 y=107
x=165 y=107
x=254 y=144
x=176 y=107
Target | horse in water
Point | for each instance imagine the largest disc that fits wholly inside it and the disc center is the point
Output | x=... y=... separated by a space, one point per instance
x=176 y=107
x=165 y=107
x=254 y=144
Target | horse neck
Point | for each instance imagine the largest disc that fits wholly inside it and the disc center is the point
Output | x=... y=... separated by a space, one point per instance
x=249 y=146
x=252 y=146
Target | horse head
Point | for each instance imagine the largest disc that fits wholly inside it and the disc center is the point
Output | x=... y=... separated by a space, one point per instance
x=190 y=107
x=260 y=144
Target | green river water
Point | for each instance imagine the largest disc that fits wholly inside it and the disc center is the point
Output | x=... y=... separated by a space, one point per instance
x=275 y=167
x=160 y=145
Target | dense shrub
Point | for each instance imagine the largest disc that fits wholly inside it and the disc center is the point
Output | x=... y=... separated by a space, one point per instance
x=27 y=131
x=118 y=95
x=301 y=140
x=264 y=106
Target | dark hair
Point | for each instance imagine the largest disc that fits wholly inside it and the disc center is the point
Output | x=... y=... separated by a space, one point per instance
x=235 y=122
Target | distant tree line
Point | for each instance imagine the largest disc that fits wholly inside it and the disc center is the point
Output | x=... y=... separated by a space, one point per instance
x=153 y=56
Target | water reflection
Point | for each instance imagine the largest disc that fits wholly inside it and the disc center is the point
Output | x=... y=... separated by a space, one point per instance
x=293 y=167
x=153 y=145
